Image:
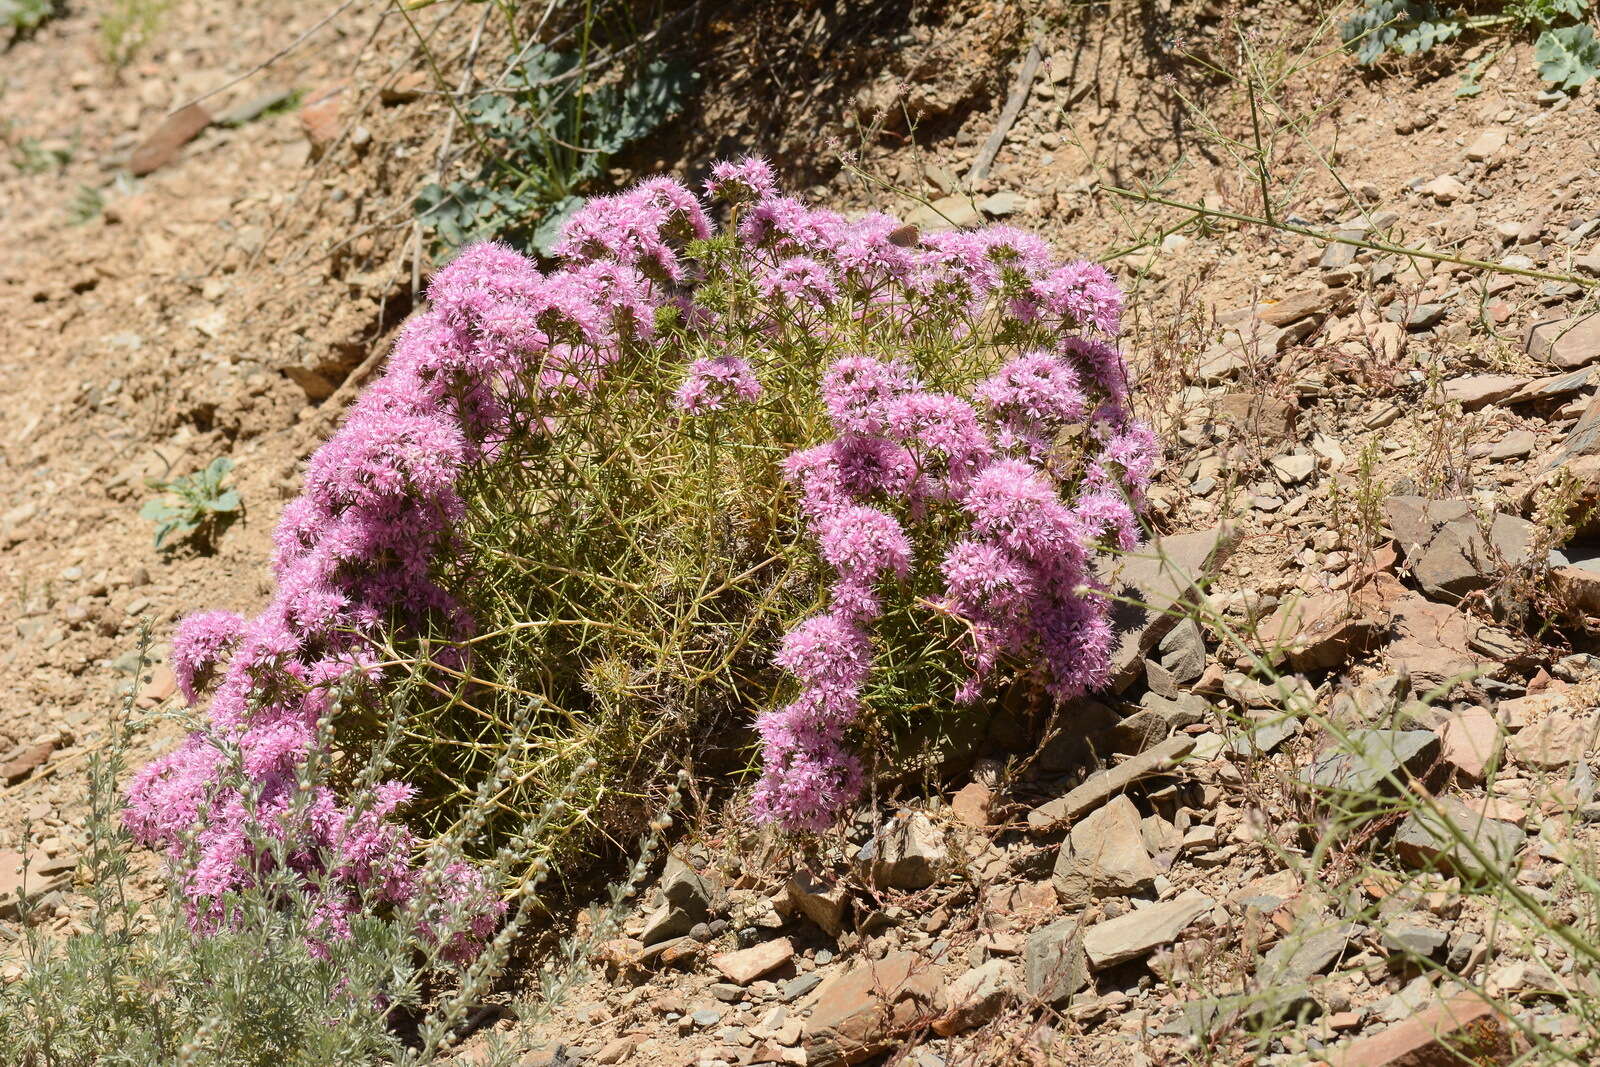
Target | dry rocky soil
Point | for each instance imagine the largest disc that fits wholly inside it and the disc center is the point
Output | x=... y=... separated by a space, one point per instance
x=1378 y=475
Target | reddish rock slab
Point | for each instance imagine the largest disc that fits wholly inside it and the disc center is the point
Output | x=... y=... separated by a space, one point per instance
x=27 y=760
x=971 y=805
x=1330 y=629
x=1470 y=740
x=175 y=131
x=746 y=965
x=1567 y=343
x=868 y=1009
x=1480 y=390
x=321 y=117
x=1453 y=1032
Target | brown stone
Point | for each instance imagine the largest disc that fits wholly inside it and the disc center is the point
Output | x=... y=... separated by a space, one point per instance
x=44 y=876
x=975 y=997
x=1104 y=855
x=1577 y=584
x=867 y=1009
x=27 y=760
x=1432 y=643
x=819 y=899
x=1555 y=742
x=161 y=147
x=971 y=805
x=1141 y=931
x=746 y=965
x=1257 y=414
x=1470 y=740
x=162 y=684
x=1566 y=343
x=1330 y=629
x=1108 y=783
x=1294 y=307
x=1479 y=390
x=321 y=117
x=1461 y=1030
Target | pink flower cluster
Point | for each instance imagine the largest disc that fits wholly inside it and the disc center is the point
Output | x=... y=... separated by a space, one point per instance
x=717 y=384
x=970 y=484
x=355 y=557
x=1008 y=525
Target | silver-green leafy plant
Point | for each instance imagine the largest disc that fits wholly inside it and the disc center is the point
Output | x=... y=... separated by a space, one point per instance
x=1565 y=48
x=203 y=507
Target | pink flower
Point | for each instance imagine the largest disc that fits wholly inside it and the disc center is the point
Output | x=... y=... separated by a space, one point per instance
x=741 y=182
x=716 y=384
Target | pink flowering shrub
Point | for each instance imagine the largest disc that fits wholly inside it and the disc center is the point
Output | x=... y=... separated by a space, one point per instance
x=796 y=465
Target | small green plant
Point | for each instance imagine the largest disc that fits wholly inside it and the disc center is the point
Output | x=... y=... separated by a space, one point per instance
x=126 y=26
x=545 y=140
x=23 y=17
x=85 y=205
x=1566 y=51
x=30 y=156
x=203 y=506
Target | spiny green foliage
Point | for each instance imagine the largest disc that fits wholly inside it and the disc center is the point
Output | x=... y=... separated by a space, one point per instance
x=546 y=137
x=203 y=506
x=1566 y=50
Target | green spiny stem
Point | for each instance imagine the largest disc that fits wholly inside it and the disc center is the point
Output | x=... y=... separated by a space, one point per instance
x=1332 y=238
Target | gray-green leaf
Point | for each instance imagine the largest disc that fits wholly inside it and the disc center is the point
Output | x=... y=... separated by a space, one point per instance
x=1568 y=56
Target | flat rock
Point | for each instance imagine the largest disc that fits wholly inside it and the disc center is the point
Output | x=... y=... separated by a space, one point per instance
x=954 y=210
x=1150 y=582
x=1295 y=306
x=1372 y=759
x=1514 y=445
x=975 y=997
x=746 y=965
x=45 y=875
x=1463 y=1029
x=1480 y=390
x=1054 y=963
x=1446 y=189
x=907 y=852
x=1433 y=643
x=25 y=761
x=1104 y=855
x=1568 y=343
x=1304 y=952
x=971 y=805
x=1108 y=783
x=1330 y=629
x=1487 y=144
x=862 y=1011
x=819 y=899
x=1470 y=741
x=1257 y=414
x=1158 y=718
x=322 y=116
x=1412 y=938
x=1143 y=930
x=1555 y=742
x=1552 y=386
x=162 y=146
x=1429 y=840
